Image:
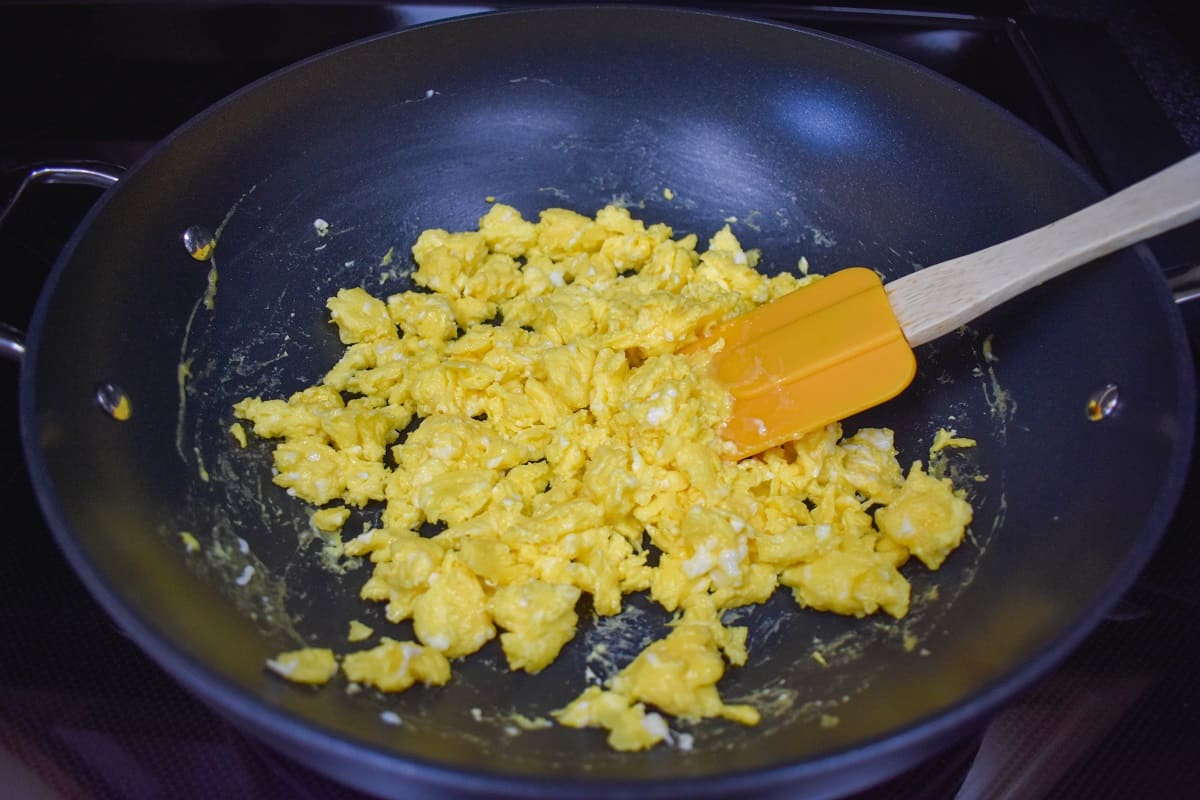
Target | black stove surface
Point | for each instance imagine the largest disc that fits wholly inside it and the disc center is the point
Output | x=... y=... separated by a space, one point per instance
x=84 y=714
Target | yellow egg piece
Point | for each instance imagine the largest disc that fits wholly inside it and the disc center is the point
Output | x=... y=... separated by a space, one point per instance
x=359 y=631
x=314 y=665
x=394 y=666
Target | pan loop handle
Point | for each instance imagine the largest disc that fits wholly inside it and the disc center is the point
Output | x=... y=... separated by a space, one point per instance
x=102 y=176
x=12 y=342
x=1186 y=285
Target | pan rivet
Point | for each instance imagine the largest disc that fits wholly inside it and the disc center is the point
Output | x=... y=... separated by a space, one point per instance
x=199 y=242
x=1103 y=403
x=113 y=401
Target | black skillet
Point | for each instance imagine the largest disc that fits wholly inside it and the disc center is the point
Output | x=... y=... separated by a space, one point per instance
x=818 y=148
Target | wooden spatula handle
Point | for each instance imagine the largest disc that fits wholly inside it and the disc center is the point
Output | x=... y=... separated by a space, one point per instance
x=936 y=300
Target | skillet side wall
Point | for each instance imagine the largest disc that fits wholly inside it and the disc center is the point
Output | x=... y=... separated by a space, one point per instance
x=819 y=149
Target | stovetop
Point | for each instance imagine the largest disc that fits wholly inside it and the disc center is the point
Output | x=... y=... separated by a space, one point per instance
x=84 y=714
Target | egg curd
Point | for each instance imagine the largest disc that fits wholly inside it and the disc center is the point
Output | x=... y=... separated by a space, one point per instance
x=535 y=435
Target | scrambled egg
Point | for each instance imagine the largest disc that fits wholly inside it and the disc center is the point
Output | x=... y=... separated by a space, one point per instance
x=557 y=437
x=314 y=665
x=358 y=631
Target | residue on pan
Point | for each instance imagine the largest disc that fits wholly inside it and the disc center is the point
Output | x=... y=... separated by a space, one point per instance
x=821 y=238
x=613 y=641
x=332 y=550
x=511 y=723
x=544 y=472
x=999 y=400
x=226 y=560
x=270 y=582
x=949 y=458
x=1002 y=408
x=326 y=231
x=752 y=221
x=387 y=273
x=210 y=289
x=841 y=656
x=207 y=301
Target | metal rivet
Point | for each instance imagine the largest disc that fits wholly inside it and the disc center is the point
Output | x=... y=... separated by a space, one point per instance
x=113 y=400
x=1103 y=402
x=199 y=242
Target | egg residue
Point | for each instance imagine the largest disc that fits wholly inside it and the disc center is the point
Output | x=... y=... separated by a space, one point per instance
x=557 y=437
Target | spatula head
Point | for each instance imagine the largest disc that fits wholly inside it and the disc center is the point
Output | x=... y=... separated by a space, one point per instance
x=815 y=356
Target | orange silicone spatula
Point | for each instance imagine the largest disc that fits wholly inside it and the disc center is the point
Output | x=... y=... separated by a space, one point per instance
x=844 y=343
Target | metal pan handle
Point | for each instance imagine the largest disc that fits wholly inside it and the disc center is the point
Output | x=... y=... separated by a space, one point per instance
x=1186 y=285
x=102 y=176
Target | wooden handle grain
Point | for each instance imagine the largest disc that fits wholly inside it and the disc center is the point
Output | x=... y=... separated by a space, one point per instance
x=934 y=301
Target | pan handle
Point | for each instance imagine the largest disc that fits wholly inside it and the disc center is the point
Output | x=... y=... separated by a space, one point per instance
x=1186 y=285
x=12 y=342
x=102 y=176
